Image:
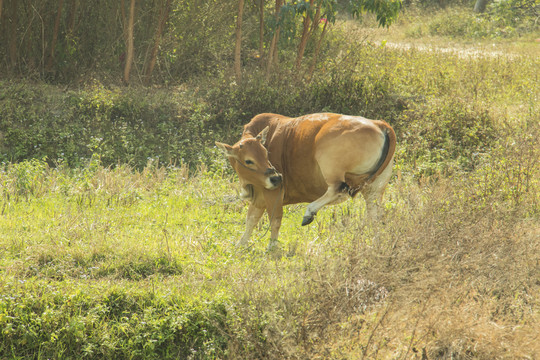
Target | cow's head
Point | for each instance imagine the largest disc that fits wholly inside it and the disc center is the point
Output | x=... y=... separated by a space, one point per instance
x=252 y=164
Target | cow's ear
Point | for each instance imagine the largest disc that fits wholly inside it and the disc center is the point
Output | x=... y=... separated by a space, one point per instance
x=262 y=135
x=227 y=149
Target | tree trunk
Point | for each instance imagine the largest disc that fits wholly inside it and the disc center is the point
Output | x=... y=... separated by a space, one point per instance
x=27 y=48
x=238 y=47
x=317 y=49
x=13 y=35
x=2 y=26
x=72 y=16
x=55 y=35
x=480 y=6
x=129 y=45
x=272 y=51
x=305 y=37
x=261 y=30
x=159 y=31
x=124 y=20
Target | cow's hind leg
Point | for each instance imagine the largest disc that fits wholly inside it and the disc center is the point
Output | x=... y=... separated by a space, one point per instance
x=373 y=192
x=336 y=193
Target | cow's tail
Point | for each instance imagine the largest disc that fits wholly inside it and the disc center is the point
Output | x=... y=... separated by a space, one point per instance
x=389 y=147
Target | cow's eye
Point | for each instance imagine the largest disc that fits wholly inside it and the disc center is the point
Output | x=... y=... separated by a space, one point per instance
x=249 y=162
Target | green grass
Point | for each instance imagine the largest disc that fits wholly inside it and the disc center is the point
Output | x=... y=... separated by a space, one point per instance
x=89 y=255
x=101 y=262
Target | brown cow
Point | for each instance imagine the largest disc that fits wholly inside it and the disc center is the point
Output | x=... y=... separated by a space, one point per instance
x=319 y=158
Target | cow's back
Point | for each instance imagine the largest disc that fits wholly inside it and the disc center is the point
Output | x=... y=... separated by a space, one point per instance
x=261 y=121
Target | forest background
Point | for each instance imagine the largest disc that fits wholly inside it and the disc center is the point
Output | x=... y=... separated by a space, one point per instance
x=118 y=216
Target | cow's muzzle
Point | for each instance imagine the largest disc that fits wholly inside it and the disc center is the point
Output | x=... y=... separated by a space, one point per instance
x=274 y=179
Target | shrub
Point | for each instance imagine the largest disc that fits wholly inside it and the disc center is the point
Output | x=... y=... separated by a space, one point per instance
x=445 y=135
x=503 y=18
x=115 y=126
x=110 y=323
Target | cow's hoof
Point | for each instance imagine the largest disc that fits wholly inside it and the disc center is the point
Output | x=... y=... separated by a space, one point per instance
x=273 y=249
x=241 y=244
x=307 y=220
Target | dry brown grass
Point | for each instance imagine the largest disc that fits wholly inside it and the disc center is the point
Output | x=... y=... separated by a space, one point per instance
x=448 y=279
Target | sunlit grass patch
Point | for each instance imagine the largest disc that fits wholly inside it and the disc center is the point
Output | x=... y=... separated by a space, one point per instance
x=88 y=269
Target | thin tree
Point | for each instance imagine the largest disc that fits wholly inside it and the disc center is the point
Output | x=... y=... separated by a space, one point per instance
x=272 y=51
x=129 y=44
x=317 y=50
x=124 y=20
x=238 y=46
x=72 y=16
x=164 y=15
x=307 y=31
x=480 y=6
x=2 y=26
x=55 y=35
x=13 y=34
x=261 y=29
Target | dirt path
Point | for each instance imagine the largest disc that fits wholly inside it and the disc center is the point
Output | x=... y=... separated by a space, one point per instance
x=463 y=52
x=394 y=39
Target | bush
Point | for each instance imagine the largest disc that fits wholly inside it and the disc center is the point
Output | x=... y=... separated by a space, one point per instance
x=445 y=135
x=110 y=323
x=133 y=126
x=503 y=19
x=437 y=102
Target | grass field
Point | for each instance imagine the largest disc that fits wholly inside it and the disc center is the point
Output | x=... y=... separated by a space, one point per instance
x=115 y=262
x=112 y=263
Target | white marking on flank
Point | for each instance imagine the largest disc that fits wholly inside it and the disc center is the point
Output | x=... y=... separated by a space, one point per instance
x=318 y=117
x=355 y=119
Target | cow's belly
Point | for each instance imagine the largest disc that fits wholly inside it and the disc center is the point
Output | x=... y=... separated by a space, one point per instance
x=307 y=188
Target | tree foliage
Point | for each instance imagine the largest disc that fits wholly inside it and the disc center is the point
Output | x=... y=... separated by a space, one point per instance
x=516 y=11
x=171 y=41
x=164 y=40
x=386 y=10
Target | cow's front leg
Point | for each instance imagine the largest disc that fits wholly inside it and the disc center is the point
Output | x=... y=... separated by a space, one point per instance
x=335 y=194
x=254 y=214
x=274 y=208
